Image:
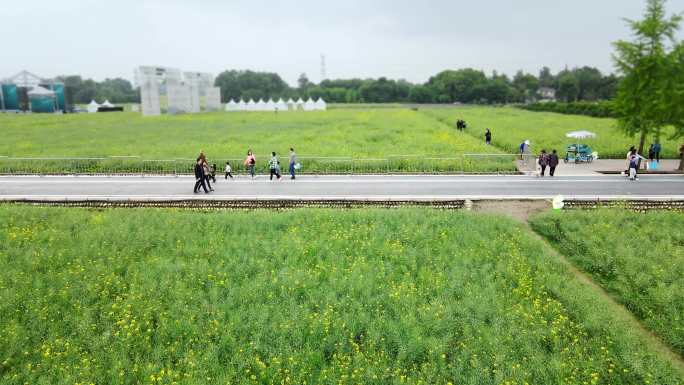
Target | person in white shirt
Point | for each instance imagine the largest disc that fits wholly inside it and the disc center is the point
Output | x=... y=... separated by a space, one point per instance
x=229 y=171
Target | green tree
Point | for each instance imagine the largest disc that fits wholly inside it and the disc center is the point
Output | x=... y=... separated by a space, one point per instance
x=421 y=94
x=249 y=84
x=464 y=85
x=568 y=87
x=379 y=91
x=546 y=78
x=525 y=86
x=651 y=64
x=303 y=82
x=589 y=82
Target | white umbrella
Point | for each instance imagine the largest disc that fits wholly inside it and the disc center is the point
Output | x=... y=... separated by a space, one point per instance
x=580 y=134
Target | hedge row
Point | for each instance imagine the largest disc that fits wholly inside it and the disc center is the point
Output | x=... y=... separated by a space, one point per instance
x=602 y=109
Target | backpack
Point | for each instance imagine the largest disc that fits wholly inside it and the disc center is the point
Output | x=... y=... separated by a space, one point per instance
x=633 y=160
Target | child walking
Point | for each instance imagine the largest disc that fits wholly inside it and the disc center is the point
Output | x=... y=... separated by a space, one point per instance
x=212 y=172
x=229 y=171
x=274 y=166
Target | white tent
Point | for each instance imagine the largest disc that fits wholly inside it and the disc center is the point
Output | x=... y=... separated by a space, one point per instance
x=260 y=105
x=251 y=106
x=241 y=105
x=270 y=105
x=40 y=91
x=291 y=106
x=299 y=104
x=231 y=106
x=107 y=104
x=309 y=105
x=281 y=105
x=321 y=105
x=92 y=107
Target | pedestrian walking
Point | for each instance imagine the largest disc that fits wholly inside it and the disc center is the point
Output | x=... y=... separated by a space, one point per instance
x=228 y=171
x=212 y=172
x=543 y=162
x=656 y=151
x=488 y=137
x=293 y=162
x=207 y=175
x=199 y=177
x=651 y=164
x=651 y=152
x=274 y=166
x=634 y=164
x=628 y=158
x=250 y=162
x=553 y=162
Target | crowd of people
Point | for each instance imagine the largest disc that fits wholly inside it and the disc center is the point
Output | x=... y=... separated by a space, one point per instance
x=206 y=173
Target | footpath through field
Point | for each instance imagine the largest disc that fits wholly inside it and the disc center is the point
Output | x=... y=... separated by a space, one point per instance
x=345 y=187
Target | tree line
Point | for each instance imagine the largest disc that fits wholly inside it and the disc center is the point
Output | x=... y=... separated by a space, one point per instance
x=81 y=91
x=450 y=86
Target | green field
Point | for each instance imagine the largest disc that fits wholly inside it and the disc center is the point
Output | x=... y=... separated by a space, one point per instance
x=374 y=137
x=358 y=132
x=342 y=140
x=546 y=130
x=405 y=296
x=639 y=258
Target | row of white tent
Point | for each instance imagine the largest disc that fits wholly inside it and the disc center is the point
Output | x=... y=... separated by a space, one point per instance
x=93 y=106
x=280 y=105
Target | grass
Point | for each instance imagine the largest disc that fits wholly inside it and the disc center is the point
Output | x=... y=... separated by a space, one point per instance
x=638 y=258
x=355 y=138
x=403 y=296
x=378 y=134
x=546 y=130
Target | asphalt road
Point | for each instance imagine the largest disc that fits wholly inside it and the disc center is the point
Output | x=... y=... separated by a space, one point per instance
x=343 y=187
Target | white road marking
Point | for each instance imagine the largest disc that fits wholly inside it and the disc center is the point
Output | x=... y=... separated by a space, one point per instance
x=82 y=180
x=153 y=198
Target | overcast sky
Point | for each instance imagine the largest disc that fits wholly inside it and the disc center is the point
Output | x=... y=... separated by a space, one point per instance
x=395 y=38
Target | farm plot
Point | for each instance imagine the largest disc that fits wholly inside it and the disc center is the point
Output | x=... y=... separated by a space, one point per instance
x=307 y=296
x=546 y=130
x=639 y=258
x=342 y=140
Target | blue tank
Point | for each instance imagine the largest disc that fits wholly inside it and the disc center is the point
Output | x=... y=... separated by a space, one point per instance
x=10 y=96
x=59 y=95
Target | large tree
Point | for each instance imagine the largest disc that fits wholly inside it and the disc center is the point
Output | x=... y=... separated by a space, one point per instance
x=652 y=83
x=526 y=87
x=249 y=84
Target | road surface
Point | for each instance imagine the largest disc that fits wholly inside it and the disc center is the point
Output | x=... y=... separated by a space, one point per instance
x=343 y=187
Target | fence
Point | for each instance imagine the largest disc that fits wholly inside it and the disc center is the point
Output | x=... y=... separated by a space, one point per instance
x=133 y=165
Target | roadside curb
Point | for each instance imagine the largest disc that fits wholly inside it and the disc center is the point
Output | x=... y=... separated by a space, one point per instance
x=641 y=204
